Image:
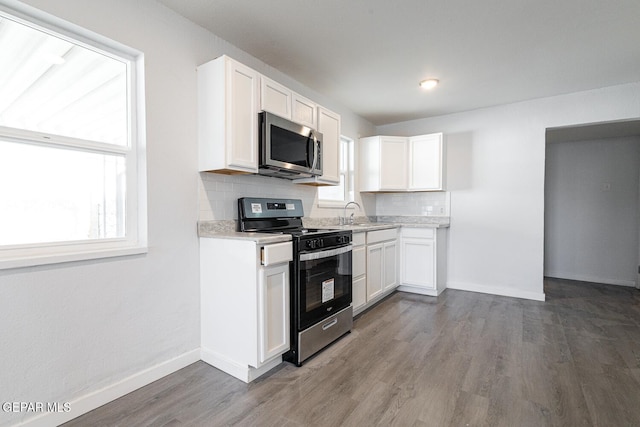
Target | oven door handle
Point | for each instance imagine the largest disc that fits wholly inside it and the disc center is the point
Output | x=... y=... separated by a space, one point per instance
x=325 y=254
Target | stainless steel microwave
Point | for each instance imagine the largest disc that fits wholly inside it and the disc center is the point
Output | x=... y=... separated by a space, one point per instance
x=287 y=149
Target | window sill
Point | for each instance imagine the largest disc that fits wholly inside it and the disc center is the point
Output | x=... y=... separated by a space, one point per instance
x=18 y=261
x=331 y=205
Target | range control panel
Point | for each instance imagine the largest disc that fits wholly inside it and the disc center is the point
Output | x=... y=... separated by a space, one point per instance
x=326 y=241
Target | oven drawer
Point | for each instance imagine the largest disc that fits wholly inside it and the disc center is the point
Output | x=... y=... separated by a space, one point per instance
x=276 y=253
x=324 y=333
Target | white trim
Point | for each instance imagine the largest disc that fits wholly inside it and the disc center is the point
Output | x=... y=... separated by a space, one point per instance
x=242 y=372
x=419 y=290
x=496 y=290
x=349 y=143
x=45 y=259
x=591 y=279
x=90 y=401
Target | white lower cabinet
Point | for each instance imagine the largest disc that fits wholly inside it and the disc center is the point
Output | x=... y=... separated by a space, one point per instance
x=273 y=308
x=423 y=260
x=382 y=263
x=416 y=262
x=244 y=291
x=359 y=271
x=375 y=271
x=390 y=257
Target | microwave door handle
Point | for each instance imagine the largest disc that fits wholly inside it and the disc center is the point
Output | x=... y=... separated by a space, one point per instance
x=309 y=142
x=315 y=151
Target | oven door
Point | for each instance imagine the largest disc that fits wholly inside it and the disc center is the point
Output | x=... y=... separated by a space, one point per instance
x=324 y=284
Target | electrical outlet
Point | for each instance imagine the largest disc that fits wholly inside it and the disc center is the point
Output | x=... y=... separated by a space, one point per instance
x=441 y=209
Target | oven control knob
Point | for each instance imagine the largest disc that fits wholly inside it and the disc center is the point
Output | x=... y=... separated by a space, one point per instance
x=320 y=243
x=311 y=244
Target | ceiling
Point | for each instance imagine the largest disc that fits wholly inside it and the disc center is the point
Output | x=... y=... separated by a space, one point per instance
x=371 y=54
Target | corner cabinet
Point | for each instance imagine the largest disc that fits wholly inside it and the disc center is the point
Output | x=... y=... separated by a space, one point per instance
x=228 y=94
x=399 y=164
x=423 y=257
x=244 y=292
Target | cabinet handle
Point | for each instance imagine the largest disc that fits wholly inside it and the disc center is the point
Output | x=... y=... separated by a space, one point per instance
x=330 y=324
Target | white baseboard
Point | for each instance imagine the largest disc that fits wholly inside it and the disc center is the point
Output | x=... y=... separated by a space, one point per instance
x=419 y=290
x=242 y=372
x=591 y=279
x=95 y=399
x=496 y=290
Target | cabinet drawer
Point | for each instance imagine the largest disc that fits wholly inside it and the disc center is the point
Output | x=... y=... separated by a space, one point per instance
x=358 y=239
x=420 y=233
x=276 y=253
x=381 y=235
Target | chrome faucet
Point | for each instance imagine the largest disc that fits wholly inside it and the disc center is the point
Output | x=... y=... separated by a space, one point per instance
x=344 y=219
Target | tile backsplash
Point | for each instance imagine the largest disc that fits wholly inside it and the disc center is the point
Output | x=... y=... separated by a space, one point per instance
x=414 y=204
x=219 y=193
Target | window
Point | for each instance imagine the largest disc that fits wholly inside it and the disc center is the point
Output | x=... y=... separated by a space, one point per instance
x=338 y=195
x=71 y=166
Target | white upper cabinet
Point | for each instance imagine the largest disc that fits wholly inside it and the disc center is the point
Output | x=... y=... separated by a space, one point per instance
x=426 y=166
x=329 y=127
x=228 y=94
x=282 y=101
x=275 y=98
x=304 y=111
x=392 y=163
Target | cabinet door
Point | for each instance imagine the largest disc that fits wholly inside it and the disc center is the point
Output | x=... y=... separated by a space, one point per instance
x=242 y=111
x=390 y=250
x=418 y=258
x=304 y=111
x=329 y=126
x=273 y=308
x=375 y=270
x=359 y=258
x=426 y=162
x=393 y=163
x=275 y=98
x=359 y=292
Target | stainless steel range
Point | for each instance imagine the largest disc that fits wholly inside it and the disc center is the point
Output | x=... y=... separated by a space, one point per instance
x=321 y=310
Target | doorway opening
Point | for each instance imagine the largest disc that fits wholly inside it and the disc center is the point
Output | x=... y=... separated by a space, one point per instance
x=592 y=203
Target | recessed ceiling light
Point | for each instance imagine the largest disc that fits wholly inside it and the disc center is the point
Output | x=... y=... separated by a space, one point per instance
x=429 y=83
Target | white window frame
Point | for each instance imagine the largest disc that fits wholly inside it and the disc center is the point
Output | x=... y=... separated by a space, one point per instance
x=349 y=177
x=135 y=238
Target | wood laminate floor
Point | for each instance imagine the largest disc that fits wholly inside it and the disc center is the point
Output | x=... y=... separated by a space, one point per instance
x=462 y=359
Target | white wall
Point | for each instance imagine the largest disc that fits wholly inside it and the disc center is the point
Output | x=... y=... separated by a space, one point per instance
x=71 y=330
x=496 y=161
x=591 y=214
